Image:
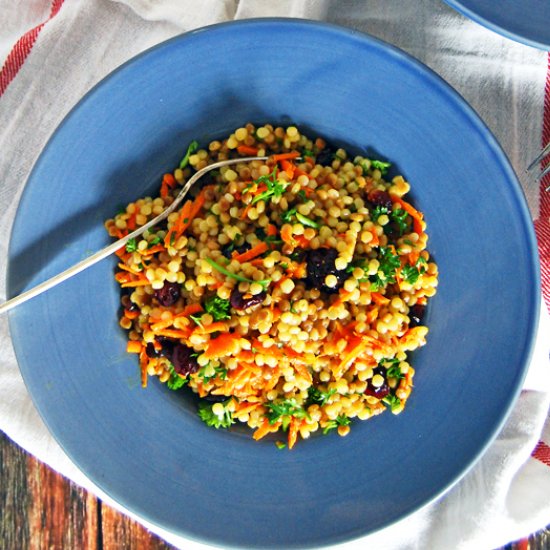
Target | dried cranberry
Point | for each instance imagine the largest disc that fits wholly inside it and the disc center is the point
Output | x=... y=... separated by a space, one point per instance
x=151 y=350
x=320 y=263
x=240 y=300
x=379 y=392
x=184 y=360
x=377 y=197
x=325 y=156
x=416 y=313
x=169 y=294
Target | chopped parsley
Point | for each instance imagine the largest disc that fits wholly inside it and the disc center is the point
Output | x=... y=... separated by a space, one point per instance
x=393 y=370
x=380 y=165
x=193 y=146
x=400 y=217
x=197 y=319
x=377 y=211
x=284 y=410
x=288 y=215
x=275 y=188
x=389 y=263
x=217 y=307
x=222 y=269
x=307 y=153
x=280 y=445
x=175 y=382
x=208 y=373
x=210 y=418
x=393 y=402
x=154 y=242
x=307 y=221
x=131 y=245
x=315 y=395
x=341 y=420
x=410 y=274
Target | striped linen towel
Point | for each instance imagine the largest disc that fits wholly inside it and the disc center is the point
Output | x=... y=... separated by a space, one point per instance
x=53 y=52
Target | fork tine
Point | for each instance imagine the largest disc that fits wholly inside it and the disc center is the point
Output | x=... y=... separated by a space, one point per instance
x=543 y=153
x=543 y=173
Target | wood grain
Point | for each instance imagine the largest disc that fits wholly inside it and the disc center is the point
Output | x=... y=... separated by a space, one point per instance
x=41 y=510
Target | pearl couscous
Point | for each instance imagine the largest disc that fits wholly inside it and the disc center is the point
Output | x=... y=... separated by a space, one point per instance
x=287 y=293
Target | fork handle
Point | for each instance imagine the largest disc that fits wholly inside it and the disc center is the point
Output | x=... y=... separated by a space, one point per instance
x=113 y=247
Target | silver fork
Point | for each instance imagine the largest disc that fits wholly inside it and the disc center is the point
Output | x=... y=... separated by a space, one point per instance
x=536 y=162
x=112 y=248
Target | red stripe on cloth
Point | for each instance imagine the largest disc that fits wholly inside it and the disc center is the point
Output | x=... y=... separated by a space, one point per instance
x=542 y=453
x=22 y=48
x=542 y=225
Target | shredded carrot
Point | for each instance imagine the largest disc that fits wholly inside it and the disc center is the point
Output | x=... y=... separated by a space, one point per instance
x=247 y=150
x=130 y=270
x=260 y=248
x=418 y=224
x=285 y=156
x=190 y=309
x=143 y=362
x=196 y=207
x=161 y=325
x=173 y=333
x=140 y=282
x=134 y=346
x=183 y=218
x=153 y=250
x=379 y=299
x=287 y=236
x=266 y=428
x=293 y=431
x=245 y=211
x=288 y=167
x=224 y=344
x=271 y=230
x=131 y=223
x=218 y=326
x=169 y=180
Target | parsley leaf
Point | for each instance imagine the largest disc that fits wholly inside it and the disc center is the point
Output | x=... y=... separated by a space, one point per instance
x=288 y=215
x=307 y=221
x=196 y=319
x=131 y=245
x=208 y=373
x=315 y=395
x=400 y=216
x=410 y=274
x=283 y=410
x=393 y=402
x=221 y=269
x=307 y=153
x=210 y=418
x=377 y=211
x=175 y=382
x=389 y=263
x=341 y=420
x=380 y=165
x=275 y=188
x=217 y=307
x=154 y=242
x=193 y=146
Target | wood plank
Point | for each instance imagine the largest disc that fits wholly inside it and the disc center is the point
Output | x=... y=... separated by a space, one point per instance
x=117 y=528
x=14 y=498
x=60 y=514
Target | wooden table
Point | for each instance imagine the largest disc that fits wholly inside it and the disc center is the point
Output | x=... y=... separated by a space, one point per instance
x=40 y=509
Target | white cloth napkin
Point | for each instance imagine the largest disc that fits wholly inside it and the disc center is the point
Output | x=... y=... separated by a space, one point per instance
x=51 y=53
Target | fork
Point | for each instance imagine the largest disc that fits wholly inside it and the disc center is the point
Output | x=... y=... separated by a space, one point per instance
x=112 y=248
x=537 y=160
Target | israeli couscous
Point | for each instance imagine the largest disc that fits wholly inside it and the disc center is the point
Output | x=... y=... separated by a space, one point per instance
x=287 y=293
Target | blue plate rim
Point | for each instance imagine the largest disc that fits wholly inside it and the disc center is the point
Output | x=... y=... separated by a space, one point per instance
x=507 y=33
x=467 y=110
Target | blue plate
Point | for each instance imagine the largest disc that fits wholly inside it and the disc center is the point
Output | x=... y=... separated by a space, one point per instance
x=148 y=449
x=526 y=21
